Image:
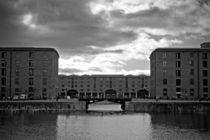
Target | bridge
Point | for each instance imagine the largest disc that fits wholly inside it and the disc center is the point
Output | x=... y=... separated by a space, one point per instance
x=114 y=100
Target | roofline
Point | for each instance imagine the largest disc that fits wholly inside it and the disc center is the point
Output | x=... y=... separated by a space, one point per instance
x=104 y=75
x=28 y=49
x=182 y=49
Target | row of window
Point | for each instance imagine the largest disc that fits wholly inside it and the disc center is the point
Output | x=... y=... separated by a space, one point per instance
x=30 y=89
x=191 y=54
x=30 y=81
x=191 y=81
x=4 y=55
x=191 y=63
x=178 y=91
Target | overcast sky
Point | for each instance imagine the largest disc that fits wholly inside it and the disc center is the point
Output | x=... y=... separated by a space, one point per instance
x=104 y=36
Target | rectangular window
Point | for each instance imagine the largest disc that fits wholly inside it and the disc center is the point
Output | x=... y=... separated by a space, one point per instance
x=17 y=81
x=205 y=64
x=192 y=72
x=17 y=90
x=191 y=81
x=164 y=72
x=165 y=81
x=178 y=64
x=3 y=72
x=165 y=92
x=191 y=54
x=44 y=90
x=205 y=90
x=3 y=89
x=3 y=81
x=178 y=90
x=164 y=55
x=31 y=72
x=44 y=73
x=3 y=55
x=164 y=63
x=178 y=56
x=178 y=82
x=191 y=92
x=205 y=73
x=205 y=82
x=17 y=73
x=44 y=81
x=3 y=63
x=191 y=62
x=204 y=55
x=30 y=63
x=178 y=73
x=30 y=89
x=31 y=81
x=30 y=55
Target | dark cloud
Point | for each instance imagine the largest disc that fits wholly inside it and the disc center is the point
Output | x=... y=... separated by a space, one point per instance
x=69 y=24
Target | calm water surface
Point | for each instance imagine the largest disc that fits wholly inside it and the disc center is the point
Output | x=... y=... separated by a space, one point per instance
x=104 y=126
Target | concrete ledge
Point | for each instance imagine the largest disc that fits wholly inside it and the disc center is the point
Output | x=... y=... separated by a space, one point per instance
x=168 y=106
x=43 y=105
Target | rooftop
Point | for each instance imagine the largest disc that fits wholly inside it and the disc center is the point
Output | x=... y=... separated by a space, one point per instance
x=28 y=49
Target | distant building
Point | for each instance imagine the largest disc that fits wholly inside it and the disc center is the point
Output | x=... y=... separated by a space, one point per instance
x=181 y=72
x=104 y=86
x=30 y=71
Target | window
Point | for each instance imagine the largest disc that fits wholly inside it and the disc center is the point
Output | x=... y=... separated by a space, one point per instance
x=165 y=92
x=205 y=82
x=178 y=64
x=165 y=81
x=191 y=54
x=31 y=81
x=17 y=73
x=164 y=72
x=30 y=63
x=205 y=90
x=178 y=90
x=204 y=64
x=3 y=81
x=178 y=82
x=17 y=90
x=205 y=73
x=164 y=55
x=178 y=73
x=3 y=55
x=164 y=63
x=191 y=62
x=3 y=63
x=30 y=89
x=178 y=55
x=3 y=72
x=204 y=55
x=17 y=81
x=3 y=89
x=44 y=90
x=191 y=81
x=44 y=81
x=31 y=72
x=192 y=72
x=44 y=73
x=30 y=55
x=192 y=92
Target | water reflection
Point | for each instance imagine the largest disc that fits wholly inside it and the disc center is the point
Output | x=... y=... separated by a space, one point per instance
x=104 y=126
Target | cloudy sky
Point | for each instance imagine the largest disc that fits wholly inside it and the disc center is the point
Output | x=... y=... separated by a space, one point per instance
x=104 y=36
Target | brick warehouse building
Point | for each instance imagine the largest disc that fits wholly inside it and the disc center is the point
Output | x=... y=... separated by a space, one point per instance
x=181 y=72
x=101 y=86
x=30 y=71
